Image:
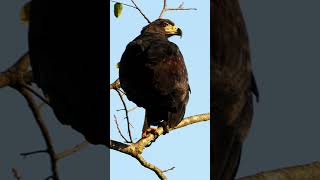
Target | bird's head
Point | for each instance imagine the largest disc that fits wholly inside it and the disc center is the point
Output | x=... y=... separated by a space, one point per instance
x=162 y=26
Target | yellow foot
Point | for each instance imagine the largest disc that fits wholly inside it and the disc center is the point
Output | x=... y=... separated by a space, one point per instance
x=148 y=131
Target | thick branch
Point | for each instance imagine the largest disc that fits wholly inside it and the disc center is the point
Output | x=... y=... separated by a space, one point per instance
x=16 y=72
x=115 y=85
x=301 y=172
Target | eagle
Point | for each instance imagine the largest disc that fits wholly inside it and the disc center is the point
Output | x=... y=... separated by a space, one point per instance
x=69 y=57
x=233 y=86
x=153 y=75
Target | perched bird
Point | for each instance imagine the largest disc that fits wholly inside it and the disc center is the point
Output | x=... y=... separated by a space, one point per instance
x=233 y=87
x=153 y=75
x=69 y=57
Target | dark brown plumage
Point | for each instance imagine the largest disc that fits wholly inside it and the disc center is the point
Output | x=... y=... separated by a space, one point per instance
x=233 y=85
x=153 y=75
x=69 y=59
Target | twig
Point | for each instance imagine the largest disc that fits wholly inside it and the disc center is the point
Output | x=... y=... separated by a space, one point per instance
x=170 y=169
x=163 y=9
x=15 y=174
x=152 y=167
x=127 y=114
x=179 y=8
x=124 y=4
x=72 y=150
x=119 y=130
x=36 y=94
x=44 y=131
x=132 y=109
x=145 y=17
x=24 y=155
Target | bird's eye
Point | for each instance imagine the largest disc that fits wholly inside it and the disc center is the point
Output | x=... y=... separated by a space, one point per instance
x=165 y=24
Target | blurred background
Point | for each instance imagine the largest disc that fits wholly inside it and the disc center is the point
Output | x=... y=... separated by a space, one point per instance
x=284 y=37
x=19 y=132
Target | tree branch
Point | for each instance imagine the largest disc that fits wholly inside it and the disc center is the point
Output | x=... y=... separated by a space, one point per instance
x=179 y=8
x=135 y=149
x=127 y=115
x=119 y=130
x=145 y=17
x=16 y=72
x=44 y=131
x=72 y=150
x=300 y=172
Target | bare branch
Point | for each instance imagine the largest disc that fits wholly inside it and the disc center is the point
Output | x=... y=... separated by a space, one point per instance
x=16 y=174
x=145 y=17
x=124 y=4
x=119 y=130
x=163 y=8
x=170 y=169
x=127 y=114
x=44 y=131
x=72 y=150
x=301 y=172
x=179 y=8
x=24 y=155
x=152 y=167
x=135 y=149
x=16 y=72
x=36 y=94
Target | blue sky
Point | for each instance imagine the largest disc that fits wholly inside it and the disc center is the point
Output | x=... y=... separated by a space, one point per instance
x=186 y=149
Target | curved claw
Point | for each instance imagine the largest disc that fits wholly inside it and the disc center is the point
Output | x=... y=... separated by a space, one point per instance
x=148 y=131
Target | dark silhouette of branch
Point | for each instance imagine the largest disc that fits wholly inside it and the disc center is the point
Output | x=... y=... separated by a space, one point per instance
x=18 y=77
x=24 y=155
x=136 y=7
x=72 y=150
x=124 y=4
x=17 y=72
x=36 y=94
x=145 y=17
x=119 y=130
x=301 y=172
x=44 y=131
x=127 y=114
x=16 y=174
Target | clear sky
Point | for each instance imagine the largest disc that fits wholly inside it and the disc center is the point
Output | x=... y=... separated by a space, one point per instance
x=186 y=149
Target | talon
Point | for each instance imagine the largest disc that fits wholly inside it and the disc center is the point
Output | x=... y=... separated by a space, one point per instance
x=148 y=131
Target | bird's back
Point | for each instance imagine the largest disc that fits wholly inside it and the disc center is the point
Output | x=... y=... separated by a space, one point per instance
x=153 y=75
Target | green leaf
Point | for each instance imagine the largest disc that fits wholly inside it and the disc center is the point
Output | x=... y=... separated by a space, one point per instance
x=25 y=12
x=117 y=9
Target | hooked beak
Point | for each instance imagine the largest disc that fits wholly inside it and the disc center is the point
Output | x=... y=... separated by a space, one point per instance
x=173 y=30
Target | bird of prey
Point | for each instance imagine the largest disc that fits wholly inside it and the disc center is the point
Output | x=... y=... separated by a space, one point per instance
x=233 y=87
x=153 y=75
x=69 y=57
